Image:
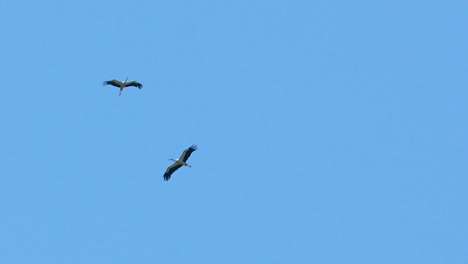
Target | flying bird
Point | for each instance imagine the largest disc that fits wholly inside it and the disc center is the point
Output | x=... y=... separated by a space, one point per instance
x=124 y=84
x=181 y=161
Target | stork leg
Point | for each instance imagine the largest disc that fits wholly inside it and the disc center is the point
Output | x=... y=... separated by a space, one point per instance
x=121 y=89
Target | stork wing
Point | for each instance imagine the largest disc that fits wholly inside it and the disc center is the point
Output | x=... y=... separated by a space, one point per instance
x=113 y=83
x=186 y=154
x=170 y=170
x=133 y=83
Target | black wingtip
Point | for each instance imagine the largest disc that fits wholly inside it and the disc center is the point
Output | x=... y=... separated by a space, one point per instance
x=194 y=147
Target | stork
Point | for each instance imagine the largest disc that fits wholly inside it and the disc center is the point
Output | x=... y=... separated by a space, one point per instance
x=124 y=84
x=181 y=161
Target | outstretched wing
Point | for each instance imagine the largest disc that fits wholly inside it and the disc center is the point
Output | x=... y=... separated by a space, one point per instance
x=133 y=83
x=186 y=154
x=170 y=170
x=113 y=83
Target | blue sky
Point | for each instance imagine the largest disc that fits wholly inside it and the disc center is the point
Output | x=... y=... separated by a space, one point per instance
x=328 y=132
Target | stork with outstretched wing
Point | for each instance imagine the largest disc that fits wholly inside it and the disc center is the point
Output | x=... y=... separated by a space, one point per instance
x=181 y=161
x=123 y=85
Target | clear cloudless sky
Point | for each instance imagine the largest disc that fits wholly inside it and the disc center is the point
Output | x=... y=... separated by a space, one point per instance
x=328 y=132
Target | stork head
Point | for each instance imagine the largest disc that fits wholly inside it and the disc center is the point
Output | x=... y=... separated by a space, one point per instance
x=172 y=160
x=126 y=80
